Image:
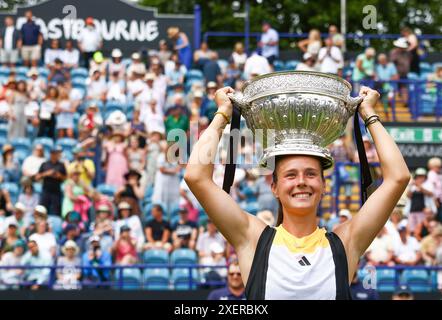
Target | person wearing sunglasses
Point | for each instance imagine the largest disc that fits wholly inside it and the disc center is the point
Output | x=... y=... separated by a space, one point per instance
x=235 y=287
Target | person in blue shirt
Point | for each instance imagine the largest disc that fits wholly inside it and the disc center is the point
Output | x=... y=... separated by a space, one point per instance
x=386 y=71
x=234 y=289
x=32 y=40
x=95 y=256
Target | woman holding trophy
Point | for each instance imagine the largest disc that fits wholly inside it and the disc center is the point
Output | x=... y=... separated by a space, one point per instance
x=296 y=259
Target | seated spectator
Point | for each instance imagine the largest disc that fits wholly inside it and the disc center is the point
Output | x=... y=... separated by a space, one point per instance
x=216 y=258
x=424 y=228
x=239 y=56
x=131 y=192
x=381 y=250
x=195 y=105
x=431 y=243
x=202 y=55
x=96 y=86
x=52 y=53
x=188 y=201
x=126 y=217
x=364 y=66
x=177 y=119
x=330 y=58
x=32 y=163
x=235 y=287
x=76 y=196
x=40 y=214
x=95 y=256
x=157 y=231
x=205 y=241
x=70 y=56
x=344 y=216
x=65 y=111
x=256 y=65
x=99 y=62
x=71 y=232
x=185 y=233
x=116 y=88
x=9 y=165
x=74 y=218
x=46 y=115
x=312 y=44
x=124 y=249
x=407 y=249
x=176 y=75
x=211 y=69
x=13 y=277
x=45 y=239
x=385 y=70
x=136 y=84
x=434 y=80
x=35 y=257
x=85 y=166
x=137 y=66
x=138 y=130
x=58 y=75
x=11 y=236
x=164 y=52
x=420 y=196
x=20 y=219
x=68 y=277
x=91 y=120
x=232 y=74
x=116 y=66
x=36 y=85
x=102 y=204
x=137 y=159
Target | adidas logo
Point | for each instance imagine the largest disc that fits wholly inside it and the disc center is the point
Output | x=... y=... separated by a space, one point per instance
x=304 y=262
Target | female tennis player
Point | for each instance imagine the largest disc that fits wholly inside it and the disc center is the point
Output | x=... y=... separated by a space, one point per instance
x=297 y=260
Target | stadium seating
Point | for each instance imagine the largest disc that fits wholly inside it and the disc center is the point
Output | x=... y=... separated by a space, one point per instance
x=67 y=144
x=107 y=190
x=13 y=190
x=183 y=279
x=156 y=256
x=183 y=256
x=417 y=280
x=386 y=279
x=79 y=73
x=156 y=279
x=4 y=130
x=55 y=224
x=131 y=279
x=46 y=142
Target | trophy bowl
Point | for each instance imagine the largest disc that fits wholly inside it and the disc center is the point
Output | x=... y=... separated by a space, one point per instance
x=301 y=112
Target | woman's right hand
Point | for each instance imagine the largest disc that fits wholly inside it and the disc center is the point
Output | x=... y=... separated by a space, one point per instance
x=223 y=101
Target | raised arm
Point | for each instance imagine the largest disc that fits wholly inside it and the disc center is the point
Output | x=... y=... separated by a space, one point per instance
x=239 y=228
x=359 y=232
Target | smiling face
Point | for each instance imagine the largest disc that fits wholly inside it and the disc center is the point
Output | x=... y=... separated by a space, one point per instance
x=299 y=184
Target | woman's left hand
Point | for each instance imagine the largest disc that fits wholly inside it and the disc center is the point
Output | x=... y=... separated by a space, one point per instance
x=371 y=98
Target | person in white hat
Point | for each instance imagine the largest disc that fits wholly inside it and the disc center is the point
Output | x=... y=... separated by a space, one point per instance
x=308 y=64
x=137 y=66
x=18 y=218
x=116 y=64
x=401 y=57
x=277 y=263
x=68 y=275
x=126 y=217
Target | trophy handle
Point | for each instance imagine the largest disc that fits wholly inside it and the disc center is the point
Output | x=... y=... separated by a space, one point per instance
x=353 y=102
x=238 y=100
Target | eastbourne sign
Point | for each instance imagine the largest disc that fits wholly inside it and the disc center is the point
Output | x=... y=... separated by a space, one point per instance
x=122 y=24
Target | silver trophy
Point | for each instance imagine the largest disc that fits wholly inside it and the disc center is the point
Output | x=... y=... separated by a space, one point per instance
x=306 y=111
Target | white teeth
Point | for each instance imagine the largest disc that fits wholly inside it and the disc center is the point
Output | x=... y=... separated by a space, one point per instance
x=302 y=195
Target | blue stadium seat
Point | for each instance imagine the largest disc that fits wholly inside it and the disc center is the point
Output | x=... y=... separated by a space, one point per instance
x=417 y=280
x=3 y=141
x=79 y=83
x=4 y=71
x=278 y=65
x=291 y=65
x=194 y=74
x=156 y=256
x=13 y=190
x=115 y=105
x=43 y=72
x=252 y=207
x=67 y=143
x=106 y=189
x=67 y=155
x=22 y=144
x=132 y=279
x=174 y=221
x=22 y=71
x=4 y=130
x=223 y=64
x=47 y=143
x=21 y=155
x=436 y=65
x=183 y=256
x=156 y=279
x=386 y=280
x=202 y=220
x=181 y=279
x=79 y=73
x=56 y=224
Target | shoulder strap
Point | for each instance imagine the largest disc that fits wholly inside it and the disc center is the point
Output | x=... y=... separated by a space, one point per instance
x=255 y=288
x=341 y=267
